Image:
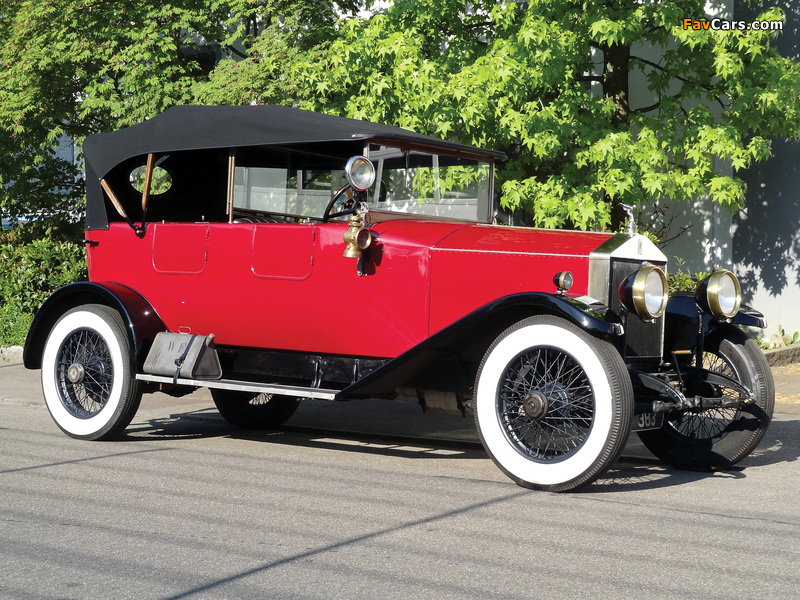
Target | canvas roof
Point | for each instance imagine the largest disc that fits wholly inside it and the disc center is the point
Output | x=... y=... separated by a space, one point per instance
x=198 y=127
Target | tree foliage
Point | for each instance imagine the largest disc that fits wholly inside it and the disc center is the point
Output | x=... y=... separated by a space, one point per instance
x=549 y=82
x=75 y=67
x=553 y=83
x=35 y=259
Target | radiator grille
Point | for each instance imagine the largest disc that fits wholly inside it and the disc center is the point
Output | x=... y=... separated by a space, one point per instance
x=642 y=339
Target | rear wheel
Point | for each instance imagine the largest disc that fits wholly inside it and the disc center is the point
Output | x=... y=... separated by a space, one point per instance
x=254 y=411
x=552 y=404
x=717 y=438
x=87 y=380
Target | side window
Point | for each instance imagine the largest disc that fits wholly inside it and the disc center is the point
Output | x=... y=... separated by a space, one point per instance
x=186 y=187
x=426 y=184
x=284 y=183
x=263 y=189
x=160 y=182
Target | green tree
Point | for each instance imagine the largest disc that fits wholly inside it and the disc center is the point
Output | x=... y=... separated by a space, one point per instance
x=69 y=68
x=549 y=82
x=75 y=67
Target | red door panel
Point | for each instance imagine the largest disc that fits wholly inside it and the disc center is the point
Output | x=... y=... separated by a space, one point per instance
x=283 y=251
x=179 y=248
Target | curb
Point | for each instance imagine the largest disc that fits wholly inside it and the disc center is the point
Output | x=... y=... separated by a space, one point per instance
x=11 y=354
x=783 y=356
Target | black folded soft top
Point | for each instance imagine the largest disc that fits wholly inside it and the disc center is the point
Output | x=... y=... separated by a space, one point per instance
x=198 y=127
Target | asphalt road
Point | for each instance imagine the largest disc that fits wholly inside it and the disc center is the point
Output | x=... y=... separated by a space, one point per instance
x=343 y=504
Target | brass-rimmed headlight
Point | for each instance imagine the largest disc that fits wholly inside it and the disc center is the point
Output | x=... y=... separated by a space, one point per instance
x=645 y=292
x=720 y=294
x=360 y=173
x=563 y=281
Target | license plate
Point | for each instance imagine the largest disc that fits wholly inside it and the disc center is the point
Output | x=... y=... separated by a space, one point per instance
x=645 y=421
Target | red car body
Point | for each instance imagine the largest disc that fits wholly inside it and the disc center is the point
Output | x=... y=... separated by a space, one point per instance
x=182 y=269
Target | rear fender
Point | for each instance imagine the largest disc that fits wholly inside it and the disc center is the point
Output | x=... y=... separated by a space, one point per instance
x=140 y=319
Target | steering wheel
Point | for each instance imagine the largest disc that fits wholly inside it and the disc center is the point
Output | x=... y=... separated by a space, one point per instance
x=347 y=204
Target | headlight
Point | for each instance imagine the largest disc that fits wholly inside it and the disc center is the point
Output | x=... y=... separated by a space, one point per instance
x=563 y=281
x=645 y=292
x=720 y=294
x=360 y=173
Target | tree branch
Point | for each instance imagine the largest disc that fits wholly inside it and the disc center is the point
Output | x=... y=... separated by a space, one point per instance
x=233 y=50
x=655 y=105
x=708 y=88
x=670 y=73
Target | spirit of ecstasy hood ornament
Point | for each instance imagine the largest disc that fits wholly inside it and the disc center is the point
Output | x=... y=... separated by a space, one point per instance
x=631 y=230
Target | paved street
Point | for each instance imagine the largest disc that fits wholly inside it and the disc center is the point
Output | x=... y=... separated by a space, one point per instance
x=345 y=504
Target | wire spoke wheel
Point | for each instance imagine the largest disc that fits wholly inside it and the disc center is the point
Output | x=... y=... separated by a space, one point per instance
x=546 y=404
x=706 y=424
x=84 y=373
x=552 y=404
x=717 y=438
x=88 y=382
x=254 y=411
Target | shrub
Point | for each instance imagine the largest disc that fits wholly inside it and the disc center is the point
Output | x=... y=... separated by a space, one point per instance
x=35 y=260
x=683 y=281
x=14 y=326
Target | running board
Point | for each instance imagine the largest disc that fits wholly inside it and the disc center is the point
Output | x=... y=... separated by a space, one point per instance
x=246 y=386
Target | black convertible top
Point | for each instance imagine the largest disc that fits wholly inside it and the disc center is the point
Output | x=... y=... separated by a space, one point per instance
x=198 y=127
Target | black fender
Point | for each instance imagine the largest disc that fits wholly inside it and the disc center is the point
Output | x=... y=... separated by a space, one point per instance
x=141 y=320
x=447 y=360
x=685 y=321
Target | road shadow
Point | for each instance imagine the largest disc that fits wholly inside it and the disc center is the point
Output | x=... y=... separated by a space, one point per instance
x=207 y=423
x=640 y=470
x=637 y=470
x=781 y=444
x=638 y=474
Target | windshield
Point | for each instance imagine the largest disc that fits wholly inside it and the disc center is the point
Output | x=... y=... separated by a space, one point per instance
x=420 y=183
x=408 y=182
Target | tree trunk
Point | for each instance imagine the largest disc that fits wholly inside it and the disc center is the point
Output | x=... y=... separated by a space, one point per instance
x=615 y=86
x=615 y=79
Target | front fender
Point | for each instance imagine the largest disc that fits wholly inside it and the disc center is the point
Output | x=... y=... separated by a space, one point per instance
x=446 y=359
x=141 y=320
x=683 y=322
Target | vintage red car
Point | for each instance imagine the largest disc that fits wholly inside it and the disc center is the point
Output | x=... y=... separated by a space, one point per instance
x=273 y=254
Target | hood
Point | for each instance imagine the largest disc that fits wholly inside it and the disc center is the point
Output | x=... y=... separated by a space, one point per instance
x=518 y=240
x=477 y=264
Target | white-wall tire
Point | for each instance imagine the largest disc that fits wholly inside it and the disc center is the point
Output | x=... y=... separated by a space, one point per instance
x=87 y=381
x=553 y=405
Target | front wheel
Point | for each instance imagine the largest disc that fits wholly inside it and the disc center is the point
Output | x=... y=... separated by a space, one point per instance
x=552 y=404
x=254 y=411
x=717 y=438
x=87 y=380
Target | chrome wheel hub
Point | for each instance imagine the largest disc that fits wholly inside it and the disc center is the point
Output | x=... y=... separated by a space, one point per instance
x=76 y=373
x=535 y=405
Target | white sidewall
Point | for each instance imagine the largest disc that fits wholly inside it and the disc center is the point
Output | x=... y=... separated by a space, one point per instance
x=505 y=454
x=68 y=324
